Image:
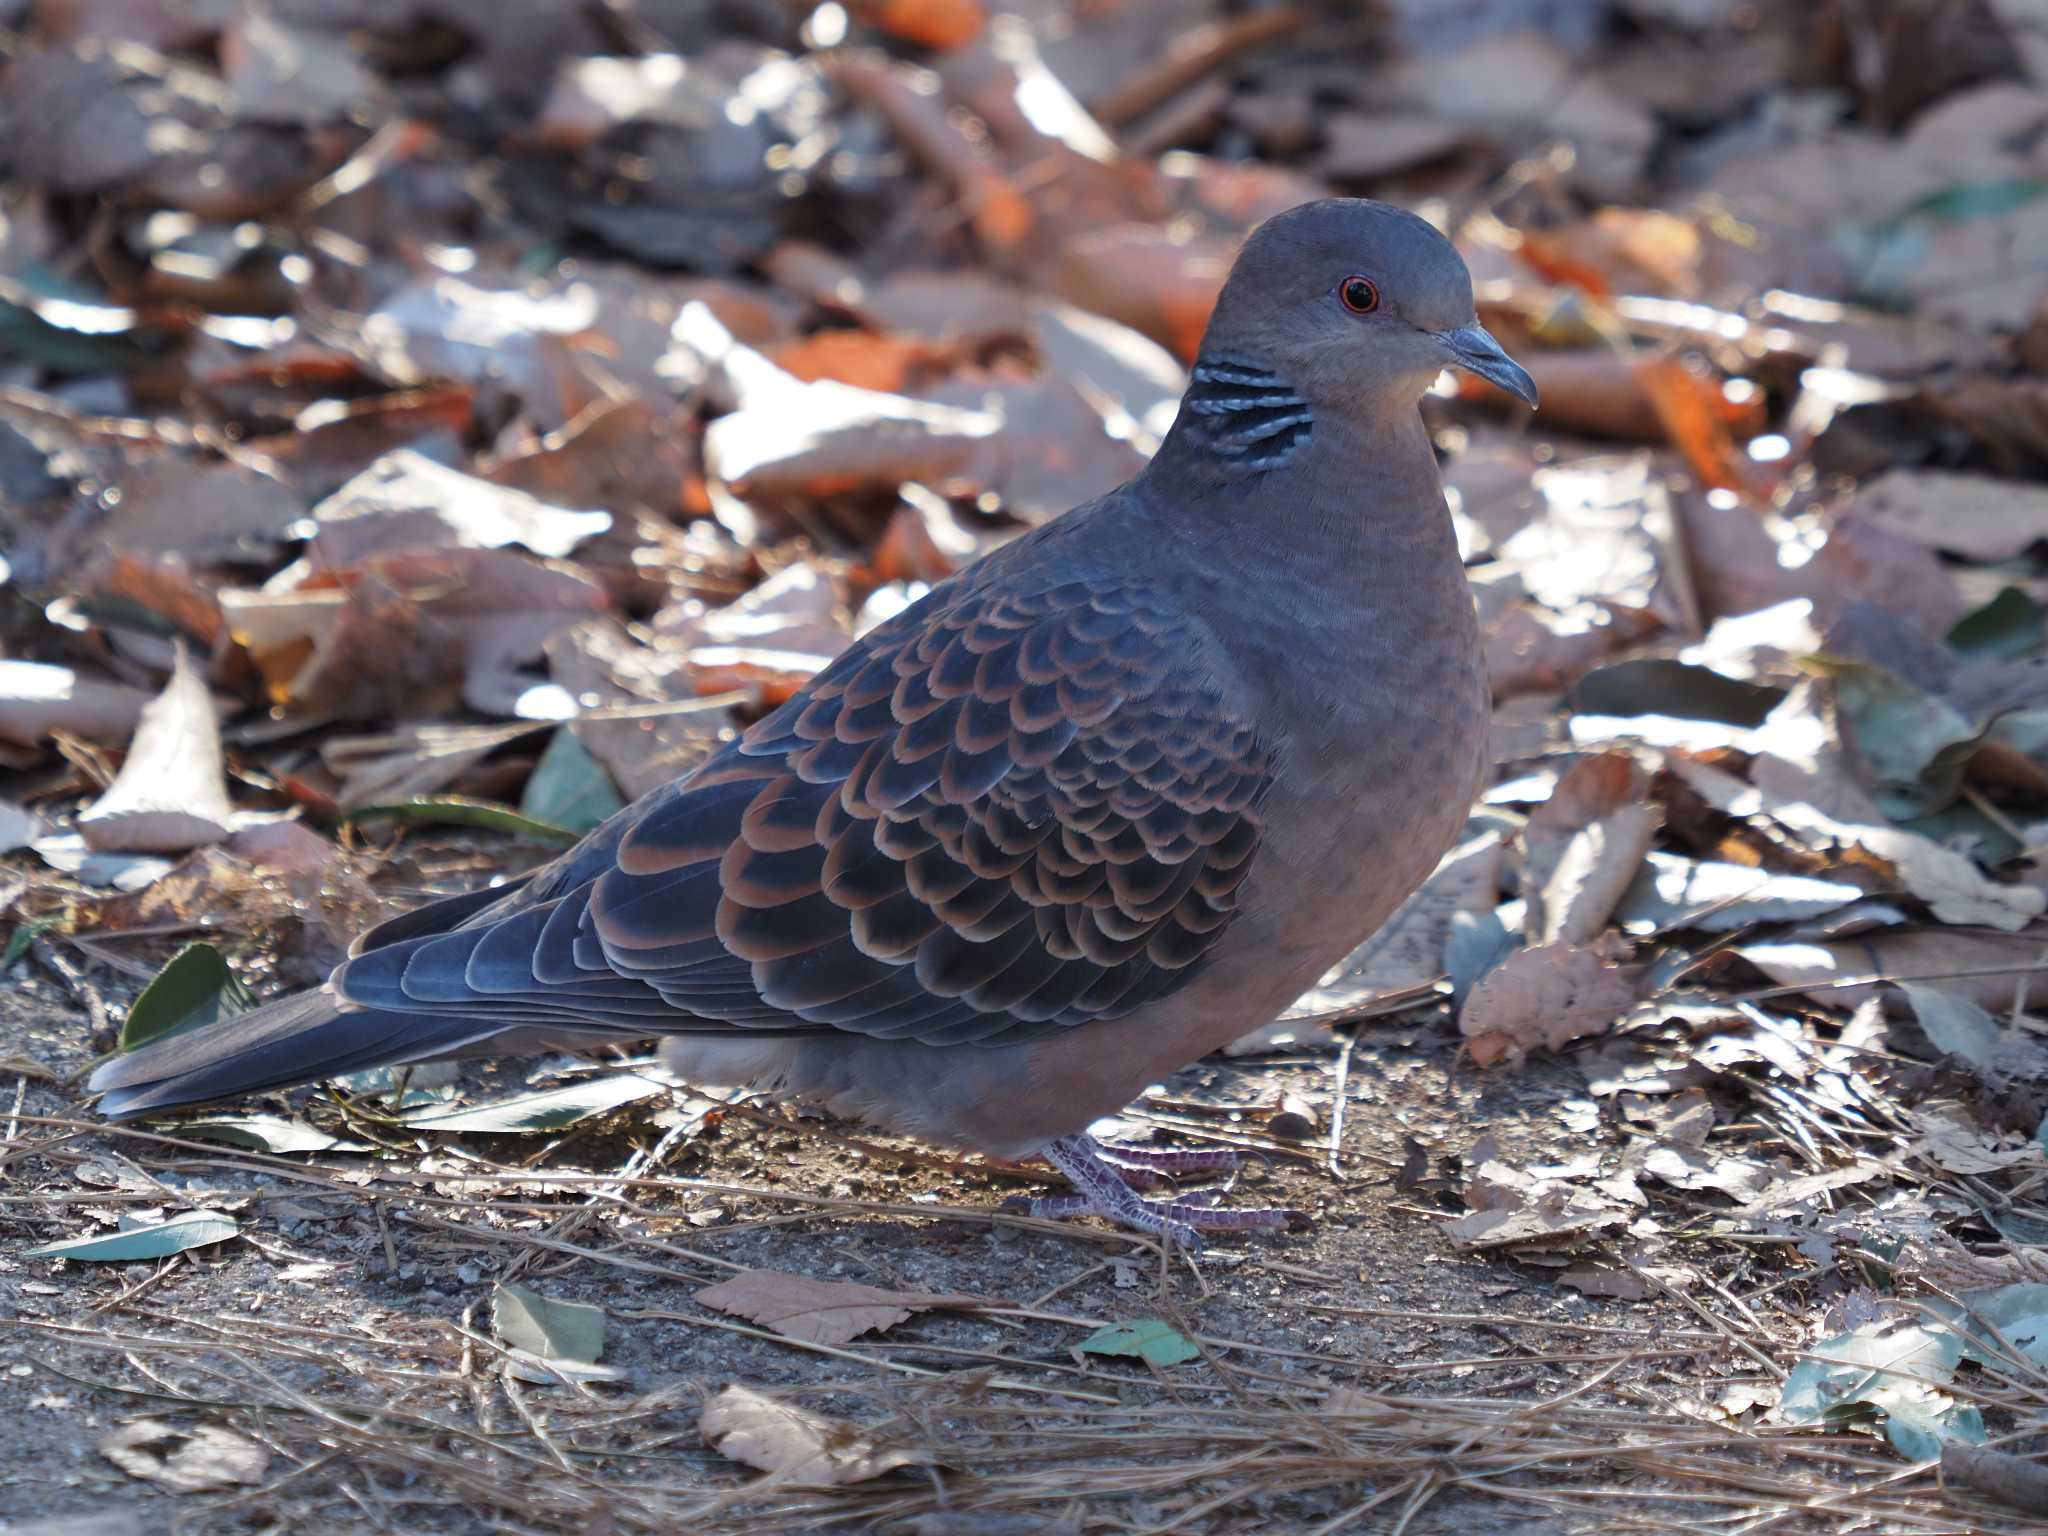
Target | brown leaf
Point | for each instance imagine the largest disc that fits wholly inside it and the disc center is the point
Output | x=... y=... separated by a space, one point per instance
x=171 y=793
x=795 y=1443
x=1157 y=283
x=820 y=1311
x=407 y=502
x=775 y=637
x=792 y=438
x=1584 y=845
x=618 y=688
x=407 y=632
x=1546 y=997
x=1604 y=1280
x=1621 y=250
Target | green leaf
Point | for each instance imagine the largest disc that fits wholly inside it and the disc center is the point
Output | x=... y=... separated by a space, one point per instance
x=24 y=934
x=1152 y=1340
x=462 y=811
x=269 y=1133
x=549 y=1111
x=1886 y=1369
x=2010 y=625
x=191 y=1229
x=1912 y=745
x=1975 y=200
x=1955 y=1023
x=1967 y=830
x=194 y=990
x=2018 y=1313
x=553 y=1330
x=569 y=788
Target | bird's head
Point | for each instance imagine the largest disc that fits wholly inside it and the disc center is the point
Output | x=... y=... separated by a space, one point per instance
x=1352 y=304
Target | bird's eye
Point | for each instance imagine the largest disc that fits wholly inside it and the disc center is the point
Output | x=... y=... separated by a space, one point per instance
x=1360 y=295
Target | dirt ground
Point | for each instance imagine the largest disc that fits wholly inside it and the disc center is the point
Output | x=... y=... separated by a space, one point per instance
x=347 y=1333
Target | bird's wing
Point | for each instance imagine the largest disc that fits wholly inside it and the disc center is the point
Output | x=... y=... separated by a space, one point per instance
x=1001 y=814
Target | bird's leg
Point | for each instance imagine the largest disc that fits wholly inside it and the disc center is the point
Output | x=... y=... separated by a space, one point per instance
x=1100 y=1190
x=1172 y=1162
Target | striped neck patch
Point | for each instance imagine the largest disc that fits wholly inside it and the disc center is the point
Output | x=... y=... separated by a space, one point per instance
x=1246 y=414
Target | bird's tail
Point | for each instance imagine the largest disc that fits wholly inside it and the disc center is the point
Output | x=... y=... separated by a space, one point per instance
x=297 y=1039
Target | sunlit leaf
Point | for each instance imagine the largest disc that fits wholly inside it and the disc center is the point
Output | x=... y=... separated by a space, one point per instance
x=549 y=1111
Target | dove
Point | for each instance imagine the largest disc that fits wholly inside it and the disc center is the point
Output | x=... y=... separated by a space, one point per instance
x=1089 y=810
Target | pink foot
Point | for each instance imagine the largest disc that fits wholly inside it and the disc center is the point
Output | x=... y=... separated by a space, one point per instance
x=1102 y=1188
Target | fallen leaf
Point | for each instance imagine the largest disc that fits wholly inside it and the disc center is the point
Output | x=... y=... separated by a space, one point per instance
x=1150 y=1339
x=2011 y=624
x=799 y=1445
x=1672 y=892
x=406 y=501
x=1958 y=1027
x=1898 y=1372
x=820 y=1311
x=1605 y=1280
x=269 y=1133
x=195 y=1459
x=460 y=811
x=1951 y=1139
x=405 y=631
x=552 y=1110
x=171 y=792
x=1546 y=997
x=632 y=705
x=1910 y=748
x=279 y=73
x=194 y=989
x=546 y=1327
x=1978 y=517
x=1584 y=846
x=154 y=1240
x=18 y=827
x=37 y=698
x=569 y=788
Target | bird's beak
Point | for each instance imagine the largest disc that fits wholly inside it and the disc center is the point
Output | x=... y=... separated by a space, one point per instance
x=1471 y=347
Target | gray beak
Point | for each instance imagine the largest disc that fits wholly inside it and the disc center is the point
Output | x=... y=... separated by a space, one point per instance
x=1472 y=348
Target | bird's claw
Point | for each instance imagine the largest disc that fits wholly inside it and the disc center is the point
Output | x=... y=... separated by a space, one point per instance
x=1103 y=1185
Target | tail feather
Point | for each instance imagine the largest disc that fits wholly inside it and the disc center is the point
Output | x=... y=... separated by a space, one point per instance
x=296 y=1039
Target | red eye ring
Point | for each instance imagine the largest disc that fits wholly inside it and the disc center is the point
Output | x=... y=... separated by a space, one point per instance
x=1360 y=295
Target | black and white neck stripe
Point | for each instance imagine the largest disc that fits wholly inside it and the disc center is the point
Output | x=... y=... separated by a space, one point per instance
x=1245 y=414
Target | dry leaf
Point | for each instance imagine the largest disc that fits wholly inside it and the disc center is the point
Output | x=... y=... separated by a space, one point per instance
x=1974 y=516
x=1585 y=845
x=1546 y=997
x=405 y=501
x=171 y=793
x=796 y=1444
x=197 y=1459
x=820 y=1311
x=36 y=699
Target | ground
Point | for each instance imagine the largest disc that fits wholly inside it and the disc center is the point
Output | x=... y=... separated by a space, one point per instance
x=1363 y=1374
